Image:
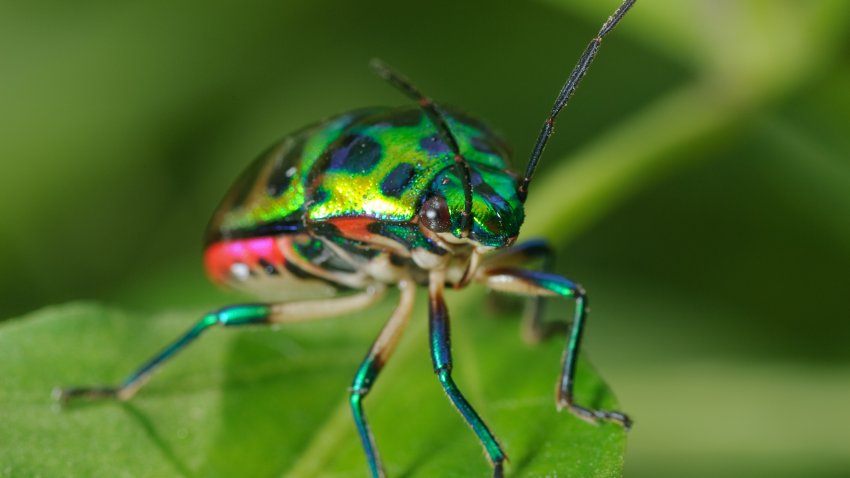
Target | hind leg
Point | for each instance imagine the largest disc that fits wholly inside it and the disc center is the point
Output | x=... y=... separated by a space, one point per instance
x=232 y=316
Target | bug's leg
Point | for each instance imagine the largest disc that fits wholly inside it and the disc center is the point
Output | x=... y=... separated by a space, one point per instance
x=534 y=329
x=533 y=283
x=441 y=357
x=368 y=372
x=236 y=315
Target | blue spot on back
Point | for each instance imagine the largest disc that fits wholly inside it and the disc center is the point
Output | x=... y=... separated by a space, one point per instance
x=395 y=183
x=355 y=154
x=433 y=145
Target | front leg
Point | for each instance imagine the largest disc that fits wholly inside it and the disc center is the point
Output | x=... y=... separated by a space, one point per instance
x=543 y=284
x=534 y=328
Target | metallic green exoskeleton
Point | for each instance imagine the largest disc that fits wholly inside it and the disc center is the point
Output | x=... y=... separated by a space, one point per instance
x=331 y=216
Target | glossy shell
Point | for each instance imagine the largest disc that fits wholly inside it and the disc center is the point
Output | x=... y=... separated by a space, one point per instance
x=359 y=179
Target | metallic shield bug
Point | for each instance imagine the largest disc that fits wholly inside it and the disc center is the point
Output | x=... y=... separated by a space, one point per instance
x=414 y=196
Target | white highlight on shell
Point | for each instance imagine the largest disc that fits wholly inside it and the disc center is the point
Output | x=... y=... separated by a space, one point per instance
x=240 y=271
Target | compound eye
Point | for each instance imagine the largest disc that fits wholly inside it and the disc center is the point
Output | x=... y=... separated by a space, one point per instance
x=435 y=214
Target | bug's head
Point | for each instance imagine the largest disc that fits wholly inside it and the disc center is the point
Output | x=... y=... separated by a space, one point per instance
x=497 y=212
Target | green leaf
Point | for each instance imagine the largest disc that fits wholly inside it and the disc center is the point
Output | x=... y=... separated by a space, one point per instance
x=262 y=402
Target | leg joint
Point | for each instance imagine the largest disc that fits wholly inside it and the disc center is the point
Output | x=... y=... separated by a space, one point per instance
x=579 y=291
x=247 y=314
x=366 y=375
x=444 y=375
x=355 y=393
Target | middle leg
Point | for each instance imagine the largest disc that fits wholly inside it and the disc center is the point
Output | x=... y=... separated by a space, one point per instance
x=441 y=357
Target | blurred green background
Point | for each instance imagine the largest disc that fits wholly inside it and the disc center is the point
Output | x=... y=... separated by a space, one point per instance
x=698 y=185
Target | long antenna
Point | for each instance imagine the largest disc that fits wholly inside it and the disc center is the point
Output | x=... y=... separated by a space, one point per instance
x=432 y=111
x=567 y=92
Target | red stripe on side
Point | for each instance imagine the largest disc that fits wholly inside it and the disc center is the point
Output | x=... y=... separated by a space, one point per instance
x=354 y=227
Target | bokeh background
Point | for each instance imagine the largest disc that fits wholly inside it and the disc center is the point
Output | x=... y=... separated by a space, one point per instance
x=703 y=171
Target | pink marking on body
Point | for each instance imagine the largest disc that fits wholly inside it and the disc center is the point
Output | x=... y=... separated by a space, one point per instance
x=219 y=257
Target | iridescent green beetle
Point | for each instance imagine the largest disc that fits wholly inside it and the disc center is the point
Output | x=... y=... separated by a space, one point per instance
x=335 y=213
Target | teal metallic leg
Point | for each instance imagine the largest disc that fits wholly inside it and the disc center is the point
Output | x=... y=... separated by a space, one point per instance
x=532 y=283
x=534 y=328
x=228 y=317
x=371 y=367
x=441 y=357
x=232 y=316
